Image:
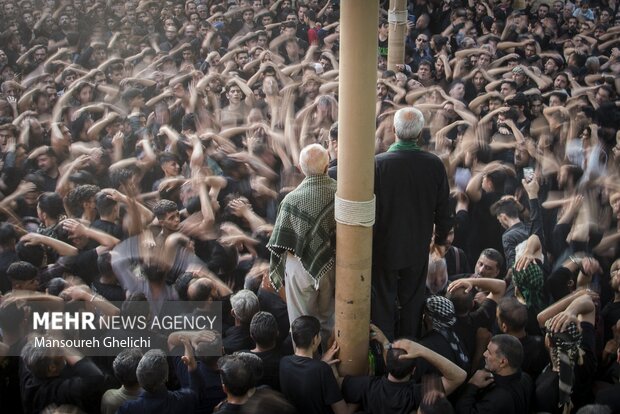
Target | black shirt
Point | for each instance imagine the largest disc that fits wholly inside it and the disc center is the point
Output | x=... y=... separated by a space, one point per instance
x=237 y=338
x=535 y=355
x=379 y=395
x=309 y=385
x=510 y=394
x=466 y=326
x=271 y=368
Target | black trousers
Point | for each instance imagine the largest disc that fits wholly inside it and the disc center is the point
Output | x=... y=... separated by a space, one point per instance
x=397 y=300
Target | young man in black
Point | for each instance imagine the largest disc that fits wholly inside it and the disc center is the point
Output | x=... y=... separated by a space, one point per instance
x=397 y=393
x=308 y=383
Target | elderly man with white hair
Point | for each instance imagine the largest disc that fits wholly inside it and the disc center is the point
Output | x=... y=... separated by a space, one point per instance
x=303 y=243
x=411 y=189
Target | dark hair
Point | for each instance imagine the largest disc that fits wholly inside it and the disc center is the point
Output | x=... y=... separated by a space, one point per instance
x=513 y=313
x=494 y=255
x=105 y=204
x=78 y=196
x=7 y=234
x=188 y=122
x=497 y=178
x=104 y=264
x=125 y=365
x=11 y=316
x=51 y=204
x=33 y=254
x=163 y=207
x=264 y=329
x=507 y=206
x=56 y=286
x=182 y=284
x=463 y=301
x=398 y=368
x=236 y=375
x=510 y=348
x=21 y=271
x=304 y=329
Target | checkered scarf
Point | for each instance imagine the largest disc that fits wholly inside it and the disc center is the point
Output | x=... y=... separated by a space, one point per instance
x=530 y=283
x=565 y=351
x=441 y=310
x=306 y=227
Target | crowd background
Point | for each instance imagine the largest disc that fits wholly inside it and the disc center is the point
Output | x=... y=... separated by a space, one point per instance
x=162 y=135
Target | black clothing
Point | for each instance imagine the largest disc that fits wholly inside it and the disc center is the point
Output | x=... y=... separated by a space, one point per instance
x=610 y=315
x=535 y=355
x=271 y=368
x=77 y=385
x=466 y=326
x=237 y=338
x=113 y=293
x=108 y=227
x=486 y=230
x=547 y=384
x=212 y=393
x=509 y=394
x=435 y=341
x=379 y=395
x=309 y=384
x=84 y=265
x=411 y=189
x=273 y=303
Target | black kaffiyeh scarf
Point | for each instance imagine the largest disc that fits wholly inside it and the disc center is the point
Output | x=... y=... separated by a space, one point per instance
x=306 y=227
x=441 y=310
x=565 y=351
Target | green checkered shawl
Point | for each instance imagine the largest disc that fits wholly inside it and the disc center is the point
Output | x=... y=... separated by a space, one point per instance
x=306 y=227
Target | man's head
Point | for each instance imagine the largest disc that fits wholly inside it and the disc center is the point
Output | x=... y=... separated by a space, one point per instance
x=506 y=210
x=504 y=355
x=313 y=160
x=167 y=213
x=398 y=368
x=511 y=315
x=23 y=276
x=244 y=306
x=264 y=330
x=305 y=331
x=408 y=124
x=125 y=365
x=489 y=263
x=152 y=370
x=237 y=376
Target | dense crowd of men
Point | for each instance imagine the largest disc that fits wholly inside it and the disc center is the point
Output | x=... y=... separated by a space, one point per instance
x=155 y=152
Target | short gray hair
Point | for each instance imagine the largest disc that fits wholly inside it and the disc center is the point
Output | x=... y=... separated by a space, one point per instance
x=408 y=123
x=313 y=160
x=152 y=371
x=245 y=305
x=39 y=358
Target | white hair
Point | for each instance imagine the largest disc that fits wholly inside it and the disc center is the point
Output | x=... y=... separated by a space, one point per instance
x=408 y=123
x=313 y=160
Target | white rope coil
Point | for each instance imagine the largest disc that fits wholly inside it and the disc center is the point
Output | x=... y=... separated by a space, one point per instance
x=397 y=16
x=355 y=213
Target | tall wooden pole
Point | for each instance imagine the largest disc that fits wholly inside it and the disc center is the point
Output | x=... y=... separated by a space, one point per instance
x=397 y=18
x=356 y=141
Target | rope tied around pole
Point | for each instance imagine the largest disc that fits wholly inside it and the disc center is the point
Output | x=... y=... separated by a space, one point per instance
x=355 y=213
x=397 y=16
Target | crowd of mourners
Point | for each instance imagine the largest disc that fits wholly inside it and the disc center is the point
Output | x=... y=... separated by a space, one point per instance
x=145 y=149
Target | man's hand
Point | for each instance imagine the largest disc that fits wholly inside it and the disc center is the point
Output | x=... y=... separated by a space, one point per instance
x=330 y=357
x=561 y=321
x=74 y=227
x=188 y=357
x=531 y=188
x=377 y=335
x=481 y=379
x=460 y=283
x=413 y=349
